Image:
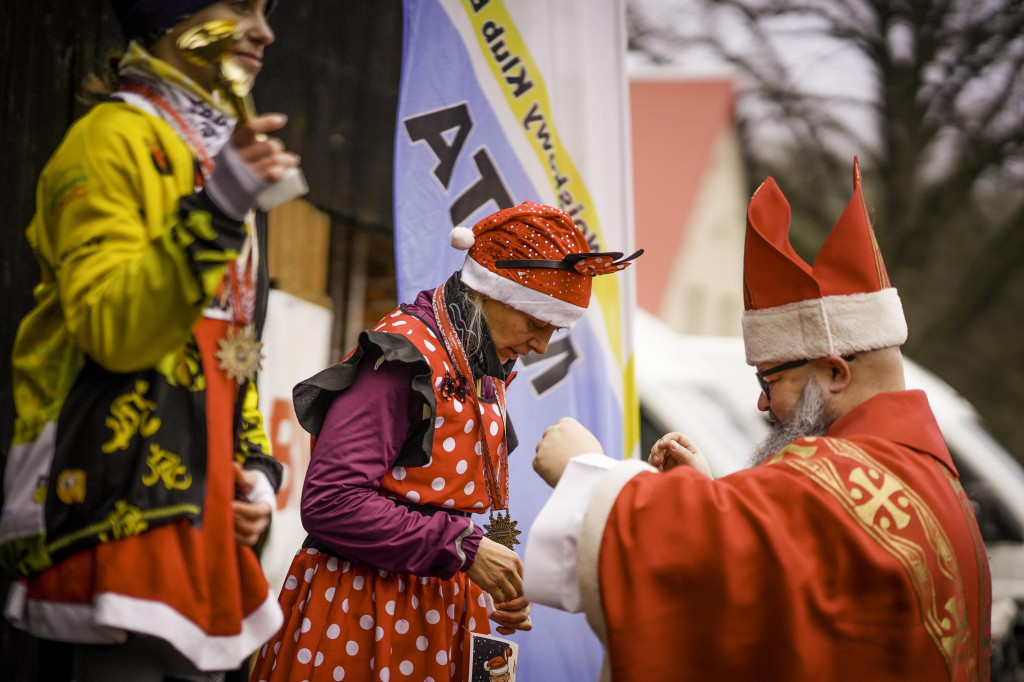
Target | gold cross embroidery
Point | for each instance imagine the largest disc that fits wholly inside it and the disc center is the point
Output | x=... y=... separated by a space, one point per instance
x=879 y=498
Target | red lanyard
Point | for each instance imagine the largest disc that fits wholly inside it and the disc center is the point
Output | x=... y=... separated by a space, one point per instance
x=458 y=354
x=241 y=295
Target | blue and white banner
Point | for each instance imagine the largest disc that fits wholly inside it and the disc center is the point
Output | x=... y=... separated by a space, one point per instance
x=501 y=103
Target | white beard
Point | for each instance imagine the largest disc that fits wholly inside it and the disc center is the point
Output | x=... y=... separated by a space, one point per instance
x=810 y=418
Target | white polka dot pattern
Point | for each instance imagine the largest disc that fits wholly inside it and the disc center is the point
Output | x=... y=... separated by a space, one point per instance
x=371 y=629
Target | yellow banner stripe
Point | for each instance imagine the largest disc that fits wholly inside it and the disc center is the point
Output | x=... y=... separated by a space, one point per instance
x=520 y=80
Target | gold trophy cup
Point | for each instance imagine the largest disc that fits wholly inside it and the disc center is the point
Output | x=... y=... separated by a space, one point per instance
x=214 y=43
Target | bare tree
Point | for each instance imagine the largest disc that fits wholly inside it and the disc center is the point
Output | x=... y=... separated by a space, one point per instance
x=939 y=129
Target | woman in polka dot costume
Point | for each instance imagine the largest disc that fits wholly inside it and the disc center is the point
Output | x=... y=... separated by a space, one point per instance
x=395 y=573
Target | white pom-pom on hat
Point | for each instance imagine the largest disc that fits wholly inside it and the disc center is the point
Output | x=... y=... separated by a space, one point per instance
x=461 y=238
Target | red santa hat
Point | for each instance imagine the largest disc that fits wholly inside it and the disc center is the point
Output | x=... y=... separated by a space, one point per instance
x=499 y=664
x=842 y=305
x=533 y=258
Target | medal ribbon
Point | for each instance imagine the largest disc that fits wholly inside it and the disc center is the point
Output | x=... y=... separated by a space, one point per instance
x=458 y=354
x=241 y=292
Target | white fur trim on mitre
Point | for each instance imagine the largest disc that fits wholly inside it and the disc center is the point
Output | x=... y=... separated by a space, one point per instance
x=461 y=238
x=524 y=299
x=820 y=327
x=498 y=670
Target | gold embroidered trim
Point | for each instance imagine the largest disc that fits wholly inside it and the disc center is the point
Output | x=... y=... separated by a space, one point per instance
x=978 y=666
x=892 y=514
x=112 y=525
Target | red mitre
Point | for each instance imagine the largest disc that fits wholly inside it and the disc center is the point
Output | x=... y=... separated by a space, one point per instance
x=842 y=305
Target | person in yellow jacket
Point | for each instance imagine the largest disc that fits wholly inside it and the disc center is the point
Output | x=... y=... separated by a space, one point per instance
x=139 y=476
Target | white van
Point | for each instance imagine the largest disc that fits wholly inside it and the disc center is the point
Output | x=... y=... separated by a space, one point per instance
x=702 y=386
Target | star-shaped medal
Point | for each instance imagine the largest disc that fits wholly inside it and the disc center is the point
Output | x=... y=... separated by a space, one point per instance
x=502 y=529
x=240 y=355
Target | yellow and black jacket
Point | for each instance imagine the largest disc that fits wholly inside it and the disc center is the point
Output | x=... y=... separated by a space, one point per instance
x=109 y=438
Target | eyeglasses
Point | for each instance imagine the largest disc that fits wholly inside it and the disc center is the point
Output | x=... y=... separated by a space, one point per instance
x=766 y=387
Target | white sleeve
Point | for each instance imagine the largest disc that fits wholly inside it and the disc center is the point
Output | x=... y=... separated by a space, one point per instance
x=263 y=491
x=550 y=562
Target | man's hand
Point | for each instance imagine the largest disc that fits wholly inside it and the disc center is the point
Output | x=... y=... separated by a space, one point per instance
x=562 y=441
x=251 y=518
x=674 y=449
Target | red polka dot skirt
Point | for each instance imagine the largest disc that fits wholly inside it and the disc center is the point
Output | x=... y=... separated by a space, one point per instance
x=348 y=621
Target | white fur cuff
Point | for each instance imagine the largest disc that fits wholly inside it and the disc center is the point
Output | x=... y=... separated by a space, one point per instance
x=594 y=523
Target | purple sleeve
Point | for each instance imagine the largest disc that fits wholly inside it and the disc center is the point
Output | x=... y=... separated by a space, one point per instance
x=341 y=504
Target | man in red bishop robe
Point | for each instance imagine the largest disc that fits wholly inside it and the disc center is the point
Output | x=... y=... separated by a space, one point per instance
x=847 y=552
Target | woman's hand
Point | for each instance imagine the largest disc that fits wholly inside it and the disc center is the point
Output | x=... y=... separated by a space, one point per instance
x=248 y=164
x=675 y=449
x=251 y=518
x=266 y=157
x=512 y=615
x=498 y=571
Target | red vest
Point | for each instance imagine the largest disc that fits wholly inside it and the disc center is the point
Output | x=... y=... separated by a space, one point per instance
x=454 y=476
